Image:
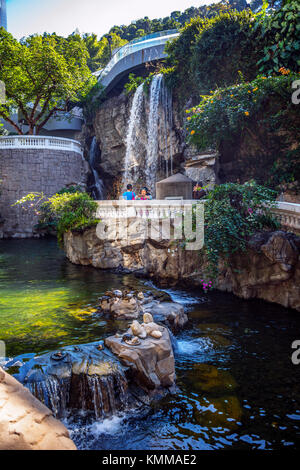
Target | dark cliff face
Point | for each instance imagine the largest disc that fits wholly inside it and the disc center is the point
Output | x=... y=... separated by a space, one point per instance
x=251 y=154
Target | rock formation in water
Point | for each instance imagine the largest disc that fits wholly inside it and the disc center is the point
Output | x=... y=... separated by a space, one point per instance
x=27 y=424
x=131 y=305
x=151 y=361
x=86 y=377
x=269 y=270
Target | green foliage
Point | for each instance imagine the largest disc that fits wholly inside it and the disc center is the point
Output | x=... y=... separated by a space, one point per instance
x=202 y=61
x=227 y=112
x=280 y=38
x=133 y=83
x=234 y=212
x=285 y=172
x=65 y=211
x=43 y=75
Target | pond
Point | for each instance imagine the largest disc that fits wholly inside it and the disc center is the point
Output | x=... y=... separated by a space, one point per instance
x=237 y=386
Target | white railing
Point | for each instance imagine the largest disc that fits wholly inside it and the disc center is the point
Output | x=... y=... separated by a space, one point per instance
x=288 y=213
x=40 y=142
x=155 y=209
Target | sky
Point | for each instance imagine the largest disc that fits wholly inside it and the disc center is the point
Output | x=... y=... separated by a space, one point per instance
x=27 y=17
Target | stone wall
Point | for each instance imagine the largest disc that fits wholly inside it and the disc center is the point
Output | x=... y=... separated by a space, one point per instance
x=33 y=170
x=269 y=270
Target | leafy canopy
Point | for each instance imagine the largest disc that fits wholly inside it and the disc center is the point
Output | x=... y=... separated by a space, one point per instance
x=43 y=75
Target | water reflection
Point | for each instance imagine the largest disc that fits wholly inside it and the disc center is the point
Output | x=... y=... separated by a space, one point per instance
x=237 y=386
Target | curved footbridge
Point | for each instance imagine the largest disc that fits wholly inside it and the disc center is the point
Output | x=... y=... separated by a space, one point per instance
x=133 y=56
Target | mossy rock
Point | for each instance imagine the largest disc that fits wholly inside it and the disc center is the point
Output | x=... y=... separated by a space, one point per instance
x=208 y=378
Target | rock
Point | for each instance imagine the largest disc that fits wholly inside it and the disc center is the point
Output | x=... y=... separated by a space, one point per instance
x=156 y=334
x=140 y=296
x=147 y=318
x=70 y=383
x=118 y=293
x=269 y=270
x=138 y=330
x=121 y=306
x=152 y=362
x=27 y=424
x=171 y=313
x=125 y=308
x=149 y=327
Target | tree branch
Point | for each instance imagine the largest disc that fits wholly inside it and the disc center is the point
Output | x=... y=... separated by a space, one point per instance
x=11 y=122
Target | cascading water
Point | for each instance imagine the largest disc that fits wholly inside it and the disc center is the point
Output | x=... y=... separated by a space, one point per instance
x=144 y=159
x=132 y=157
x=153 y=119
x=104 y=395
x=98 y=191
x=166 y=128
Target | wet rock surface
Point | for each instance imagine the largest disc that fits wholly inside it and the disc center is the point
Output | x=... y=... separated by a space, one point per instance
x=151 y=361
x=27 y=424
x=269 y=270
x=132 y=305
x=85 y=377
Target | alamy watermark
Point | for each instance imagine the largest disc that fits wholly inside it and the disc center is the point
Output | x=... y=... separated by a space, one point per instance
x=296 y=93
x=133 y=223
x=296 y=354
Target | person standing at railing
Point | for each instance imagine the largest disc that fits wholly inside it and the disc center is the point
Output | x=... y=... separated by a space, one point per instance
x=144 y=195
x=129 y=195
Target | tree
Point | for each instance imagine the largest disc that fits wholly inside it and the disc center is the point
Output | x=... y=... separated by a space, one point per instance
x=43 y=75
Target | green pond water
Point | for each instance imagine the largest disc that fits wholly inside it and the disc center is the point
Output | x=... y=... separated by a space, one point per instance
x=45 y=301
x=237 y=385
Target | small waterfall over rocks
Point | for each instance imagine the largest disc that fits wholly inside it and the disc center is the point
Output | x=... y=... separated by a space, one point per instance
x=132 y=157
x=98 y=188
x=81 y=378
x=144 y=159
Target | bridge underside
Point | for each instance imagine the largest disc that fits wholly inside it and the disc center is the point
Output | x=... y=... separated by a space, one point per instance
x=140 y=62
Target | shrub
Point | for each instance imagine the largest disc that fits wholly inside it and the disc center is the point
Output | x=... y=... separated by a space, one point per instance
x=225 y=113
x=66 y=211
x=234 y=212
x=210 y=52
x=280 y=38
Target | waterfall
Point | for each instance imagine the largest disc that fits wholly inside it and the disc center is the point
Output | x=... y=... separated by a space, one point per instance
x=53 y=392
x=167 y=115
x=131 y=157
x=98 y=191
x=153 y=118
x=104 y=395
x=141 y=162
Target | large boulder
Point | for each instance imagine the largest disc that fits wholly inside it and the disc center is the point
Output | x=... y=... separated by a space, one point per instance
x=26 y=423
x=132 y=305
x=270 y=270
x=171 y=313
x=151 y=361
x=85 y=377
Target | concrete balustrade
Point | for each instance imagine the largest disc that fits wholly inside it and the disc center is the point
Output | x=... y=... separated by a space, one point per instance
x=40 y=142
x=288 y=213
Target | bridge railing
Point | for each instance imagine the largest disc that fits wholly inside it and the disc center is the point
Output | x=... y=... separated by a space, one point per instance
x=138 y=44
x=288 y=213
